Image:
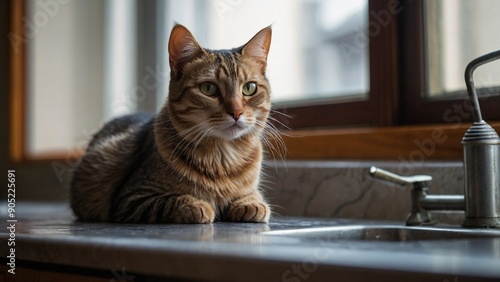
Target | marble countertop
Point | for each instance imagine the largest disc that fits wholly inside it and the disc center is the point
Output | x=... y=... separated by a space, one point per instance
x=48 y=233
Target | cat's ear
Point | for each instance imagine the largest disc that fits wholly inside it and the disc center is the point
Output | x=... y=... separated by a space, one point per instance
x=258 y=47
x=182 y=47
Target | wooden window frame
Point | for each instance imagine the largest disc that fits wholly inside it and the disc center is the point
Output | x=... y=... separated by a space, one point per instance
x=17 y=105
x=381 y=106
x=378 y=135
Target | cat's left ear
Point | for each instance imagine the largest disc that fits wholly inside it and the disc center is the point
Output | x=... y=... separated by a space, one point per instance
x=258 y=47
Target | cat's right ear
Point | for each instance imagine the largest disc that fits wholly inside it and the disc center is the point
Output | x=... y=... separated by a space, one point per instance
x=182 y=47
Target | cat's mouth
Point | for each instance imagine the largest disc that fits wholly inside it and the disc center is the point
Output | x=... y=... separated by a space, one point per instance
x=232 y=130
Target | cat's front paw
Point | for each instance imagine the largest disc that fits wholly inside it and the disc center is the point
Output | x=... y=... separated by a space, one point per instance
x=191 y=210
x=249 y=212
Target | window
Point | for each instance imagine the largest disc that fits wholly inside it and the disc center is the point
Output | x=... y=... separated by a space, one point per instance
x=374 y=39
x=354 y=67
x=421 y=128
x=456 y=32
x=65 y=74
x=89 y=61
x=439 y=39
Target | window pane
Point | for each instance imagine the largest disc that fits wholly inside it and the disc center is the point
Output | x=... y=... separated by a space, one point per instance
x=319 y=48
x=458 y=32
x=81 y=70
x=65 y=73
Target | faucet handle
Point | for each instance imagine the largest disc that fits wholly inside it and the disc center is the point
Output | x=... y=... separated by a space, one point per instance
x=418 y=215
x=415 y=180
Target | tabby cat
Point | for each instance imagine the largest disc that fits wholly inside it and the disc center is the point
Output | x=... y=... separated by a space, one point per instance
x=199 y=159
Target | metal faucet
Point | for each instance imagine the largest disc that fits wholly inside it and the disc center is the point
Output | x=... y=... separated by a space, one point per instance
x=421 y=201
x=481 y=143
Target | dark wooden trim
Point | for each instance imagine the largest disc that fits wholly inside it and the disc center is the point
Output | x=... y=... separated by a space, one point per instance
x=412 y=59
x=350 y=113
x=384 y=64
x=407 y=144
x=17 y=95
x=398 y=143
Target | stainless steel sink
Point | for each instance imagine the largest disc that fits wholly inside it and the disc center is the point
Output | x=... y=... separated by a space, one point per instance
x=391 y=233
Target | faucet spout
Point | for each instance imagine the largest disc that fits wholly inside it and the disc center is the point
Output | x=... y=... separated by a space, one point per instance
x=443 y=202
x=469 y=81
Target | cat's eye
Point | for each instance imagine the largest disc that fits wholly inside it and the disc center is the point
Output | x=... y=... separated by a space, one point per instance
x=209 y=88
x=249 y=88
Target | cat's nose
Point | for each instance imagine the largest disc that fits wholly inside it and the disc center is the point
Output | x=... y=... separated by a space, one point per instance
x=234 y=107
x=236 y=113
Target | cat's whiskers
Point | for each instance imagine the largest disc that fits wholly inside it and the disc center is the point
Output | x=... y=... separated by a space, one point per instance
x=185 y=132
x=281 y=113
x=272 y=148
x=200 y=139
x=274 y=133
x=279 y=122
x=184 y=142
x=270 y=131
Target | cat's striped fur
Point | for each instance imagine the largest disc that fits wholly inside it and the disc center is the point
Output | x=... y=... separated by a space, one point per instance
x=199 y=159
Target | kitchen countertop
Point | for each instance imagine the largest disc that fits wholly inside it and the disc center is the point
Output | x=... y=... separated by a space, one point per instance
x=48 y=234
